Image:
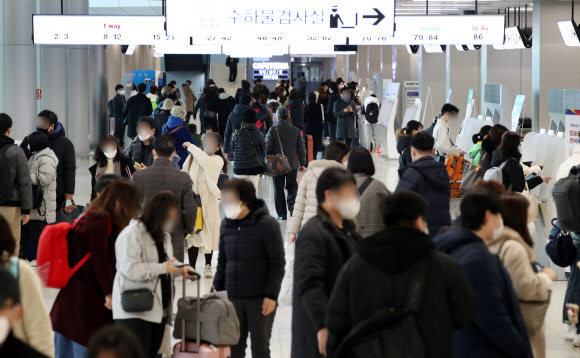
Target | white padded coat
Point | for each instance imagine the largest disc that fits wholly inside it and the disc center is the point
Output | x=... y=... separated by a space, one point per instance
x=306 y=205
x=43 y=172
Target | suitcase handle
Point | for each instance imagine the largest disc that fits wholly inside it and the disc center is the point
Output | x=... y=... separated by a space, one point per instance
x=198 y=322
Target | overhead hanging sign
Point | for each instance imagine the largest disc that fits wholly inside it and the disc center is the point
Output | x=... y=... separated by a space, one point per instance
x=278 y=22
x=101 y=30
x=443 y=30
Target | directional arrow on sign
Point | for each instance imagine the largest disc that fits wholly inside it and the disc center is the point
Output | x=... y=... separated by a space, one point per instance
x=379 y=16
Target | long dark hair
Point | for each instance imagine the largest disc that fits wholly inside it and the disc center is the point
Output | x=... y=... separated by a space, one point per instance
x=155 y=213
x=120 y=201
x=219 y=152
x=411 y=126
x=514 y=210
x=477 y=137
x=100 y=157
x=496 y=133
x=509 y=147
x=322 y=94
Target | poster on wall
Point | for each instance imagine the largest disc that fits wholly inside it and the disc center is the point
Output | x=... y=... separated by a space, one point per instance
x=572 y=130
x=517 y=111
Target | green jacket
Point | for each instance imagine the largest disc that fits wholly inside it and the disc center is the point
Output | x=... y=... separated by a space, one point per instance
x=475 y=154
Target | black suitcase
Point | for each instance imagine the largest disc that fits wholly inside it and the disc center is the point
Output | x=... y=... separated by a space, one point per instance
x=566 y=193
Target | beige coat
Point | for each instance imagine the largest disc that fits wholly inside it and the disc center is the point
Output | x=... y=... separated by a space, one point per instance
x=517 y=257
x=306 y=205
x=204 y=171
x=34 y=326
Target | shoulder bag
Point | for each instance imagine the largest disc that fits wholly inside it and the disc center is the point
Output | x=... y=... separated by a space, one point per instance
x=138 y=300
x=264 y=165
x=278 y=164
x=560 y=247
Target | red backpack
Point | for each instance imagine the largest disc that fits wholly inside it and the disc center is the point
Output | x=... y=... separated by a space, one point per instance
x=53 y=256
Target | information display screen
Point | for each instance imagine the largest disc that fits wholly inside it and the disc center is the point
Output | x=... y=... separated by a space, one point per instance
x=101 y=30
x=568 y=29
x=443 y=30
x=280 y=22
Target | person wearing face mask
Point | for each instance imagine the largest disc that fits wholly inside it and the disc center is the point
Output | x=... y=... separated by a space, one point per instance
x=330 y=118
x=10 y=313
x=33 y=327
x=204 y=168
x=306 y=204
x=515 y=250
x=109 y=159
x=512 y=171
x=119 y=102
x=250 y=265
x=345 y=112
x=443 y=145
x=175 y=127
x=84 y=305
x=398 y=257
x=145 y=259
x=140 y=151
x=499 y=329
x=324 y=245
x=428 y=178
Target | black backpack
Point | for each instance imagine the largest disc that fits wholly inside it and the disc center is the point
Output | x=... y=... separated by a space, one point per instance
x=6 y=181
x=566 y=193
x=111 y=109
x=228 y=60
x=372 y=113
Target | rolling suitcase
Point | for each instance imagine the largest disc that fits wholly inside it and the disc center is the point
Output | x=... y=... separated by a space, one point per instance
x=185 y=349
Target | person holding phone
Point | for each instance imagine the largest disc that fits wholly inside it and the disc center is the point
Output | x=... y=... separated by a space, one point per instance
x=145 y=260
x=140 y=151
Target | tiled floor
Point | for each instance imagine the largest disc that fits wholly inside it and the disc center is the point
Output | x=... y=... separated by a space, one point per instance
x=281 y=335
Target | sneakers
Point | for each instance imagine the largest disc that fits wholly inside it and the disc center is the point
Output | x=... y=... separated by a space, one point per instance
x=570 y=333
x=281 y=218
x=207 y=272
x=576 y=341
x=379 y=151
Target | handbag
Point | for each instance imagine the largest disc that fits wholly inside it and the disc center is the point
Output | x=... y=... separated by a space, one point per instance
x=534 y=314
x=37 y=198
x=534 y=205
x=278 y=164
x=560 y=247
x=138 y=300
x=199 y=217
x=69 y=213
x=471 y=174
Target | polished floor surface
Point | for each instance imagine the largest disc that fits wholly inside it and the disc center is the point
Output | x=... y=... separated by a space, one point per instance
x=281 y=335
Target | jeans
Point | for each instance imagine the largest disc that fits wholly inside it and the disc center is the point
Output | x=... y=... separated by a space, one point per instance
x=332 y=131
x=288 y=180
x=348 y=141
x=254 y=323
x=233 y=73
x=67 y=348
x=149 y=334
x=120 y=131
x=573 y=289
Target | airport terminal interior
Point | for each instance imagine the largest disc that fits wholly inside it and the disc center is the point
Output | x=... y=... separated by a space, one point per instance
x=363 y=179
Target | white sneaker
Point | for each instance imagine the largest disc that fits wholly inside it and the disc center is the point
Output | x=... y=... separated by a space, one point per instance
x=207 y=272
x=576 y=342
x=33 y=263
x=570 y=332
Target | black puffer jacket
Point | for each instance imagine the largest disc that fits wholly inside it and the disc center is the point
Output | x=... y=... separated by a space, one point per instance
x=513 y=174
x=234 y=123
x=321 y=251
x=390 y=257
x=487 y=149
x=249 y=149
x=161 y=119
x=139 y=153
x=404 y=150
x=251 y=256
x=137 y=106
x=66 y=169
x=297 y=113
x=429 y=179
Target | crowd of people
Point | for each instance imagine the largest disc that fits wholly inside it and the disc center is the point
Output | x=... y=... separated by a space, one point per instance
x=375 y=273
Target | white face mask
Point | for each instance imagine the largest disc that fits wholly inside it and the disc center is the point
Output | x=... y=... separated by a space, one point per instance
x=4 y=329
x=111 y=155
x=531 y=227
x=497 y=232
x=144 y=136
x=233 y=211
x=349 y=209
x=168 y=227
x=122 y=92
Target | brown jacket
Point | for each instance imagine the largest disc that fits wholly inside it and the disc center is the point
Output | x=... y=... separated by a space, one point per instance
x=189 y=98
x=161 y=176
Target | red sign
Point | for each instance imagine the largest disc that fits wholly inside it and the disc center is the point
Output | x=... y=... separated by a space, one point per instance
x=39 y=94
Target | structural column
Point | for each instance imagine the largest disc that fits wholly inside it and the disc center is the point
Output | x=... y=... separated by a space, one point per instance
x=77 y=85
x=18 y=65
x=98 y=94
x=52 y=67
x=536 y=66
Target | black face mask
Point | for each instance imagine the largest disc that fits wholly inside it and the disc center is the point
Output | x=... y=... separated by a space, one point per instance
x=42 y=130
